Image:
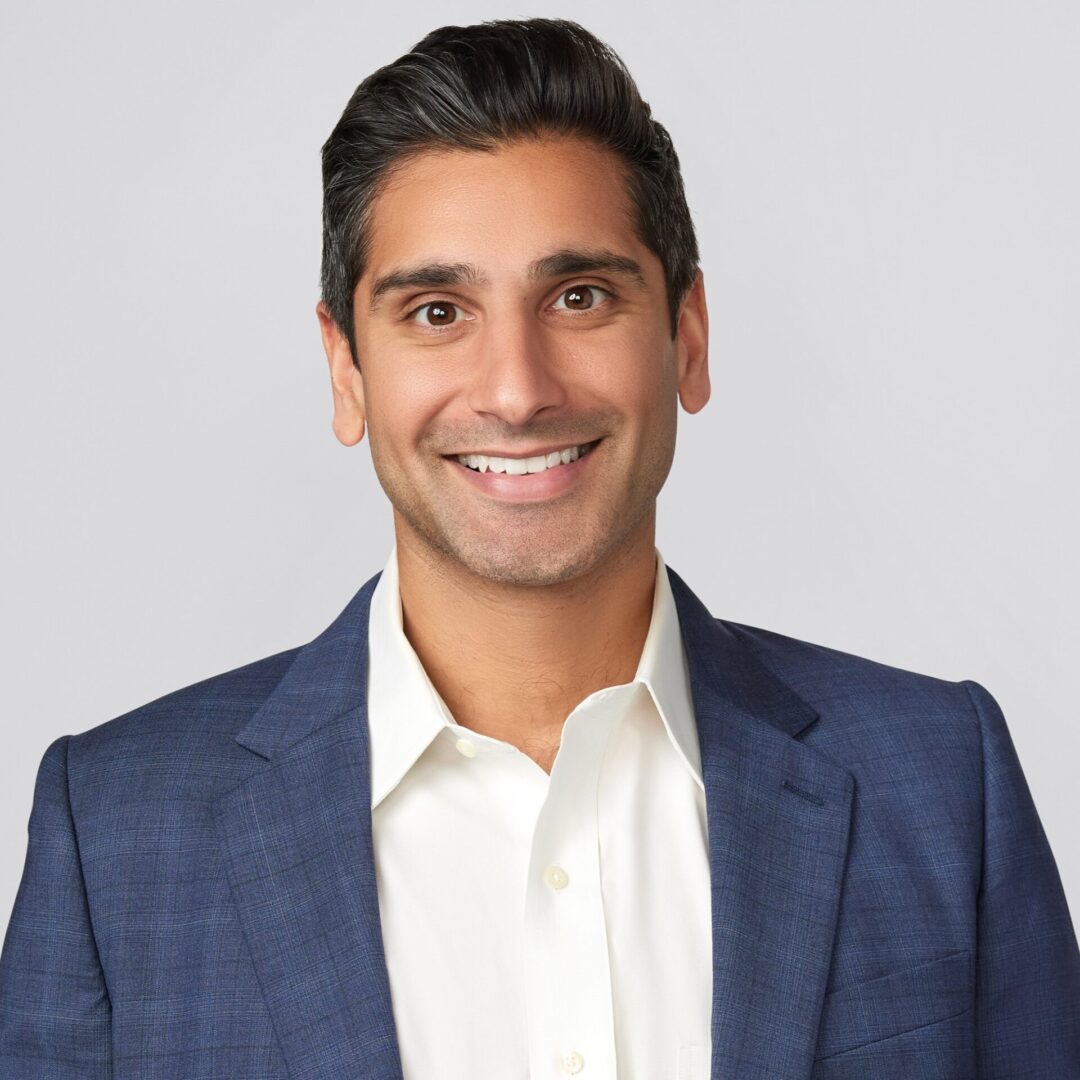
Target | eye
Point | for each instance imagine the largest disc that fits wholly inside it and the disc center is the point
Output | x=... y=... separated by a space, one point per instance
x=435 y=313
x=581 y=297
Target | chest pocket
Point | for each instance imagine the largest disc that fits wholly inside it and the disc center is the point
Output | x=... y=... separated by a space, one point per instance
x=892 y=1004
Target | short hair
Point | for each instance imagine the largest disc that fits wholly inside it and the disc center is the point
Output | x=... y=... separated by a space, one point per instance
x=476 y=87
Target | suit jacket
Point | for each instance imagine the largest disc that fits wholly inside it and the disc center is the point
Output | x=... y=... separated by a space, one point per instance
x=199 y=895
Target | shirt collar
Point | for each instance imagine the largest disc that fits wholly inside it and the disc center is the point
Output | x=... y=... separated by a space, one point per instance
x=405 y=711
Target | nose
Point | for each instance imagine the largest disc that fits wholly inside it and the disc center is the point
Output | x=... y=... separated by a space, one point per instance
x=515 y=375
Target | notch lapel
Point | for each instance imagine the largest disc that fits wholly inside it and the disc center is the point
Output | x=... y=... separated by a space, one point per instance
x=296 y=841
x=778 y=820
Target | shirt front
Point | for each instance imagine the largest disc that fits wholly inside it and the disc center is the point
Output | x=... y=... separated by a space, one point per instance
x=534 y=925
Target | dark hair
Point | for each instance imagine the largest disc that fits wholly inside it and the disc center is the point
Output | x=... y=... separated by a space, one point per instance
x=474 y=87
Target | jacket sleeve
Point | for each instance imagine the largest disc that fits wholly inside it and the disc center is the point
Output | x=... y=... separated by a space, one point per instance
x=1027 y=996
x=54 y=1006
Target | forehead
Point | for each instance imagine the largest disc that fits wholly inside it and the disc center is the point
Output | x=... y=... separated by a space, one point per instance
x=498 y=209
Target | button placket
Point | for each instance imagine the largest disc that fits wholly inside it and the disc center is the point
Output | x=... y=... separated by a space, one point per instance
x=567 y=969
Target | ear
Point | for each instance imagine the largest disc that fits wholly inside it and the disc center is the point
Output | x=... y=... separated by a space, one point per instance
x=346 y=381
x=692 y=348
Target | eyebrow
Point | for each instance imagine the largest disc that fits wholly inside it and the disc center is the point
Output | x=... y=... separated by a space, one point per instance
x=441 y=275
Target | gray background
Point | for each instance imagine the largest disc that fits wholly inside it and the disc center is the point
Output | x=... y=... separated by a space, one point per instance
x=886 y=201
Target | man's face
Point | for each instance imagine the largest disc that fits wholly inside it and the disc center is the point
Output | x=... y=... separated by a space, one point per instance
x=508 y=310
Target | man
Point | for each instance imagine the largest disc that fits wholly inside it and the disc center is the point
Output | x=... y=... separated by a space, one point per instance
x=525 y=808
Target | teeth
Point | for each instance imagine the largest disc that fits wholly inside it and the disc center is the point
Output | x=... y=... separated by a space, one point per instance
x=521 y=466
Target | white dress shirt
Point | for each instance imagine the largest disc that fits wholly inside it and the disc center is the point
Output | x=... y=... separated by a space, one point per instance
x=541 y=926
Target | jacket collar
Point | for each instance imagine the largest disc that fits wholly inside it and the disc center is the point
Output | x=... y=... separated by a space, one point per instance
x=328 y=676
x=296 y=842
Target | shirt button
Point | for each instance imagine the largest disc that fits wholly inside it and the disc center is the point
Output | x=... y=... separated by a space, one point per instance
x=557 y=878
x=571 y=1062
x=465 y=747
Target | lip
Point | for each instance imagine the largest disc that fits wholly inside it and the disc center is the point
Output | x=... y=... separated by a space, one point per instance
x=540 y=451
x=531 y=487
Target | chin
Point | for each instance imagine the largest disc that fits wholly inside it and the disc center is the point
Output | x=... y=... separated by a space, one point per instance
x=528 y=564
x=527 y=557
x=538 y=548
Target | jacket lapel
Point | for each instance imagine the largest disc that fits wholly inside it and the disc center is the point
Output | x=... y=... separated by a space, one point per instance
x=296 y=841
x=778 y=817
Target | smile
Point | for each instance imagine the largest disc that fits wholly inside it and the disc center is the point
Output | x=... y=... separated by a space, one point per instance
x=522 y=465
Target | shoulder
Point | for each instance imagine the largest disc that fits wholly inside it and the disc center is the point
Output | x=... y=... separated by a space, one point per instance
x=185 y=737
x=830 y=674
x=872 y=714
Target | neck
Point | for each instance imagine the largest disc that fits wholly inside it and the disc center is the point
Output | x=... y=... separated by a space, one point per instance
x=511 y=662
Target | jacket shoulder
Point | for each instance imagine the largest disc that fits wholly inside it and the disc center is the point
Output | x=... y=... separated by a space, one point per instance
x=912 y=742
x=870 y=713
x=827 y=675
x=185 y=729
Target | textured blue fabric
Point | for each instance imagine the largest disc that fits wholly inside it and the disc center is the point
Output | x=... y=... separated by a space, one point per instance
x=199 y=897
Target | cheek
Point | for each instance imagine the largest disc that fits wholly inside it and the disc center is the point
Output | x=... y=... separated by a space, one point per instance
x=650 y=396
x=620 y=360
x=402 y=400
x=636 y=373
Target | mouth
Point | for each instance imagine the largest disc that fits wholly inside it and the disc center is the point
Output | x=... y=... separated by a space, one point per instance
x=520 y=466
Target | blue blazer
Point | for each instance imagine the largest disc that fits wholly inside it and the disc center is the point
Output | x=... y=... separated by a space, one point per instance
x=199 y=896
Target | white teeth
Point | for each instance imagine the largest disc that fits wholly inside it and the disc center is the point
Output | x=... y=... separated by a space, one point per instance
x=521 y=466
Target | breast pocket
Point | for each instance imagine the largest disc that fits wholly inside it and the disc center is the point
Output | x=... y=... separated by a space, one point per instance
x=901 y=1001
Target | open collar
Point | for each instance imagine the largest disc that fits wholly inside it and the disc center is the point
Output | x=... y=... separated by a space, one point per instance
x=406 y=711
x=295 y=841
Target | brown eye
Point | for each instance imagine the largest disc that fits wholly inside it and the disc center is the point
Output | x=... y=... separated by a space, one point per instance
x=435 y=314
x=580 y=297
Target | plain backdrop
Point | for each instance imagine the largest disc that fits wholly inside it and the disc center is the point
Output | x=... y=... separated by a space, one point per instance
x=886 y=201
